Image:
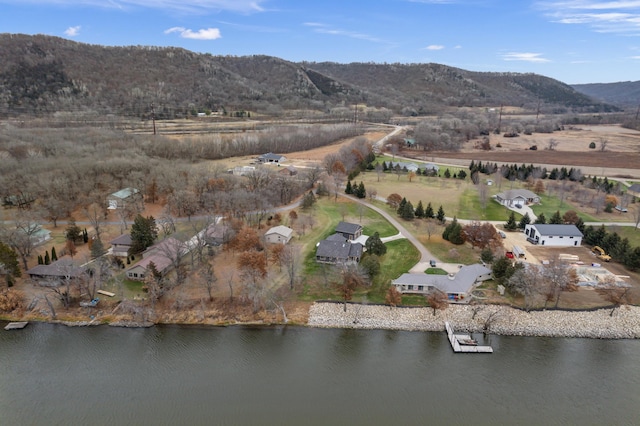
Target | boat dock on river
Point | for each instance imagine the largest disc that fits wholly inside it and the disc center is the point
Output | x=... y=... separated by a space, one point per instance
x=16 y=325
x=464 y=342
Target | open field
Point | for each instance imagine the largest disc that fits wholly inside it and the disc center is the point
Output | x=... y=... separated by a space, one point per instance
x=621 y=157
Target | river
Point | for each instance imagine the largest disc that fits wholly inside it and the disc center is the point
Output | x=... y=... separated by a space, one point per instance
x=168 y=375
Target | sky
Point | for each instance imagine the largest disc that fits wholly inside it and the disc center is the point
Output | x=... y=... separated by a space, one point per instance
x=574 y=41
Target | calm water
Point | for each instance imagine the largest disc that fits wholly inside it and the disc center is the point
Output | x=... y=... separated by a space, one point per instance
x=54 y=375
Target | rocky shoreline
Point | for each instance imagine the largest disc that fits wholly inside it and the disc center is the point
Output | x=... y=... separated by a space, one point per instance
x=503 y=320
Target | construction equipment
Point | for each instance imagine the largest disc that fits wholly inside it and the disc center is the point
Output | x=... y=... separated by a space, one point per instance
x=601 y=254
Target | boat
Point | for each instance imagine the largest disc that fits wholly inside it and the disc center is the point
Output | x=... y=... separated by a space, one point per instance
x=468 y=342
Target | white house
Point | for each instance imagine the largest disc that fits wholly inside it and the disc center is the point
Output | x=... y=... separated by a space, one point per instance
x=553 y=235
x=278 y=235
x=517 y=196
x=401 y=165
x=457 y=286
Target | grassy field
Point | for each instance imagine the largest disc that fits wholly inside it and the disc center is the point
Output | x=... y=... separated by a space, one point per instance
x=549 y=205
x=633 y=234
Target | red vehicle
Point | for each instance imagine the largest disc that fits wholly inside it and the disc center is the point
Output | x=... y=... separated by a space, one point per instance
x=509 y=255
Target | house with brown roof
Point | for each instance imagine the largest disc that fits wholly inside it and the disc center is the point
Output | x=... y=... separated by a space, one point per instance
x=58 y=270
x=120 y=245
x=163 y=255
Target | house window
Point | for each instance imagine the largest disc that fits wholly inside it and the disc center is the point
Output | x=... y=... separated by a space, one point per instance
x=135 y=275
x=420 y=288
x=411 y=287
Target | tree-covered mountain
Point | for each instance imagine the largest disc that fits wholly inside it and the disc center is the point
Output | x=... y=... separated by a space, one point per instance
x=625 y=93
x=46 y=75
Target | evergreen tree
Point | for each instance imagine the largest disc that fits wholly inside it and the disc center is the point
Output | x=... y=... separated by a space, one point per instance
x=54 y=256
x=375 y=246
x=47 y=259
x=524 y=221
x=511 y=224
x=308 y=200
x=97 y=248
x=143 y=233
x=348 y=189
x=384 y=167
x=541 y=219
x=580 y=224
x=403 y=202
x=440 y=216
x=9 y=261
x=447 y=174
x=407 y=211
x=40 y=260
x=462 y=174
x=73 y=232
x=85 y=236
x=362 y=192
x=419 y=210
x=632 y=259
x=453 y=232
x=428 y=212
x=556 y=219
x=486 y=255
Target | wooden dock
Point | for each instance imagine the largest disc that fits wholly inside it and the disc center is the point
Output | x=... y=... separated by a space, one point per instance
x=455 y=340
x=16 y=325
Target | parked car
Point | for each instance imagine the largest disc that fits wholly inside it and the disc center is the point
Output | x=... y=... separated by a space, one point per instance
x=432 y=263
x=518 y=206
x=502 y=234
x=621 y=209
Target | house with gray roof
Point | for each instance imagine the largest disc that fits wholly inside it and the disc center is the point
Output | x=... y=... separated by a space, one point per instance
x=270 y=157
x=350 y=231
x=163 y=255
x=402 y=165
x=553 y=235
x=514 y=197
x=278 y=235
x=58 y=270
x=634 y=190
x=120 y=245
x=338 y=252
x=457 y=286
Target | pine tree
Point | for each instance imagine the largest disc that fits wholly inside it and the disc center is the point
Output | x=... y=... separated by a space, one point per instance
x=511 y=224
x=97 y=248
x=407 y=211
x=143 y=233
x=440 y=216
x=385 y=168
x=556 y=219
x=40 y=260
x=362 y=192
x=541 y=219
x=524 y=221
x=47 y=259
x=428 y=212
x=447 y=174
x=348 y=189
x=375 y=245
x=85 y=236
x=54 y=256
x=419 y=210
x=403 y=202
x=580 y=224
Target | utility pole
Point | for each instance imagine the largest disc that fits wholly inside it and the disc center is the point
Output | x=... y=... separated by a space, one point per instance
x=153 y=118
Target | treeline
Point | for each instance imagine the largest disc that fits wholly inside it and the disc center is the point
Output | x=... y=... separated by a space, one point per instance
x=617 y=247
x=58 y=171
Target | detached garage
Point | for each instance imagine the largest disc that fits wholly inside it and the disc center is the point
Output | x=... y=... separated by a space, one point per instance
x=553 y=235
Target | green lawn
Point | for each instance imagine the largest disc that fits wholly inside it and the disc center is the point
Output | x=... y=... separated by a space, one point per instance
x=435 y=271
x=470 y=207
x=441 y=250
x=633 y=234
x=549 y=205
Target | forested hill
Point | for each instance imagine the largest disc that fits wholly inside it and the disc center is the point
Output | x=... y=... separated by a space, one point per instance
x=626 y=93
x=44 y=74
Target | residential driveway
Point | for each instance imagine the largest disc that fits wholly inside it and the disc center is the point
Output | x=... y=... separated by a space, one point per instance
x=425 y=255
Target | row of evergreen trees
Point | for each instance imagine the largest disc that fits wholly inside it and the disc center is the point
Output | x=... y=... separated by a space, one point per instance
x=358 y=190
x=406 y=211
x=524 y=172
x=570 y=217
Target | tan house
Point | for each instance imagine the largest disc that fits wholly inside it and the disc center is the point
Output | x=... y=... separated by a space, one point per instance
x=278 y=235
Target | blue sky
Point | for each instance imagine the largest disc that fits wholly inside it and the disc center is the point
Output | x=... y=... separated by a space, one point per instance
x=575 y=41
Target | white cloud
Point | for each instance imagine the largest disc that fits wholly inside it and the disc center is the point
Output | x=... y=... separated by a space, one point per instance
x=326 y=29
x=635 y=57
x=203 y=34
x=621 y=17
x=523 y=56
x=435 y=47
x=187 y=6
x=72 y=31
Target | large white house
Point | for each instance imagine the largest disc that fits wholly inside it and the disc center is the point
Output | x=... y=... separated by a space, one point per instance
x=553 y=235
x=514 y=197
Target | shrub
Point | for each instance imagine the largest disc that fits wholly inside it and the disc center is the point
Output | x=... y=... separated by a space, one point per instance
x=592 y=145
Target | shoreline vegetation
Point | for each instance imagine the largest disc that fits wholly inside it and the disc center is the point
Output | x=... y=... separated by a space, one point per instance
x=492 y=319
